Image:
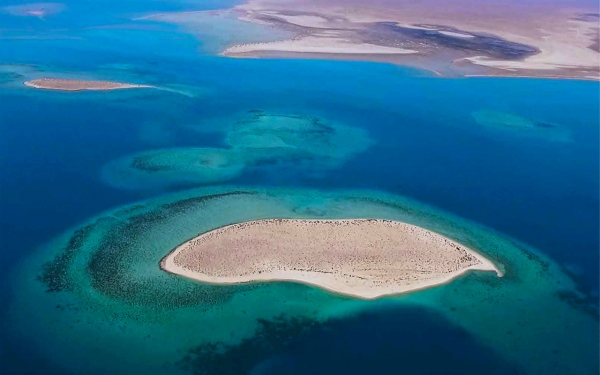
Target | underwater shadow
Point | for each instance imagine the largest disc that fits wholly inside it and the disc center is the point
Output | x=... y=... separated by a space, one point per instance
x=399 y=340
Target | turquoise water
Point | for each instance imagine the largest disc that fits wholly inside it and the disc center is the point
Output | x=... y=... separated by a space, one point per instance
x=507 y=166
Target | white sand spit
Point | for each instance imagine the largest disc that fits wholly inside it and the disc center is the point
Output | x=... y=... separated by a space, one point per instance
x=79 y=85
x=317 y=44
x=365 y=258
x=456 y=35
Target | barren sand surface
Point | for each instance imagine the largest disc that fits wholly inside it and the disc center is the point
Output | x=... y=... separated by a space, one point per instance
x=79 y=85
x=317 y=44
x=365 y=258
x=552 y=40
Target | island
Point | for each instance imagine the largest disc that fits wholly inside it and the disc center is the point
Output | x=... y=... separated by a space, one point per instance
x=79 y=84
x=363 y=258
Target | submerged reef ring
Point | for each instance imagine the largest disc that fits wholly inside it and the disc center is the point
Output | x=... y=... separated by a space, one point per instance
x=258 y=141
x=269 y=138
x=158 y=168
x=104 y=277
x=365 y=258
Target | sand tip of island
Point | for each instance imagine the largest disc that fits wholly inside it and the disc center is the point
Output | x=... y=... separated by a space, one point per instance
x=62 y=84
x=363 y=258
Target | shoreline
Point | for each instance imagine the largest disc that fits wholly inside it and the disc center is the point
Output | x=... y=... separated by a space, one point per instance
x=300 y=280
x=556 y=43
x=319 y=279
x=566 y=78
x=388 y=59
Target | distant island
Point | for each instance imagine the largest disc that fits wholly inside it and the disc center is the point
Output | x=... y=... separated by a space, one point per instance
x=365 y=258
x=80 y=85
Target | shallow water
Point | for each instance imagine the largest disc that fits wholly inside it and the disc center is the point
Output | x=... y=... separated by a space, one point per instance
x=424 y=143
x=99 y=291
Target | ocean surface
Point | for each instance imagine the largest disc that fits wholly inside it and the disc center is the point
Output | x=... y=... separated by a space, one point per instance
x=508 y=166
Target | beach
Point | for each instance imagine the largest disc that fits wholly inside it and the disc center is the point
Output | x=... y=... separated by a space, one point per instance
x=79 y=85
x=363 y=258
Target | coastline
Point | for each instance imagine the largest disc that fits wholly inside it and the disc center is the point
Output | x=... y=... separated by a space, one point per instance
x=319 y=279
x=575 y=78
x=390 y=58
x=553 y=43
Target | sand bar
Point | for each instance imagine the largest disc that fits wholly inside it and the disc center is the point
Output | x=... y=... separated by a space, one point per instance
x=321 y=44
x=364 y=258
x=79 y=85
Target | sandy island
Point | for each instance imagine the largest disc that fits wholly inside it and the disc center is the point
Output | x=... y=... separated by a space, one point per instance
x=365 y=258
x=79 y=85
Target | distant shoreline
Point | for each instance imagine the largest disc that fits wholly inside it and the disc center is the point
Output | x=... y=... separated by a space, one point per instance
x=302 y=251
x=556 y=43
x=80 y=85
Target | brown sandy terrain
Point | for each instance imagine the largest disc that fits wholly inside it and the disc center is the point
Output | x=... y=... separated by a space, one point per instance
x=366 y=258
x=457 y=38
x=79 y=85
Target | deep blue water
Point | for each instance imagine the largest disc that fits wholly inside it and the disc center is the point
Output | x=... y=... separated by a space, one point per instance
x=545 y=193
x=407 y=340
x=472 y=174
x=369 y=344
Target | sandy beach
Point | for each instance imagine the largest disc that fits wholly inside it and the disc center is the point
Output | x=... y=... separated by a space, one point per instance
x=79 y=85
x=364 y=258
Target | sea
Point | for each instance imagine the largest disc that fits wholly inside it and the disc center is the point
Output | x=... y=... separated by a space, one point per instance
x=508 y=166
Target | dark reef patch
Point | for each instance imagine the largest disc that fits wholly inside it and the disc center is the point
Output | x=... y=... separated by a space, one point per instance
x=6 y=77
x=112 y=256
x=144 y=163
x=270 y=338
x=182 y=206
x=584 y=297
x=127 y=211
x=545 y=125
x=55 y=273
x=109 y=266
x=583 y=302
x=390 y=341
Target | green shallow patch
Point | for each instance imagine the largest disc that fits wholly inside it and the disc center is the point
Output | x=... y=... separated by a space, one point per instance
x=254 y=140
x=511 y=123
x=158 y=168
x=112 y=294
